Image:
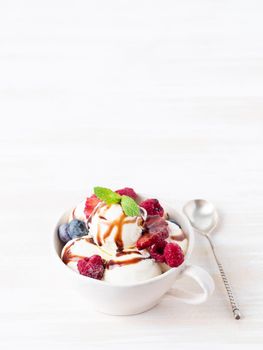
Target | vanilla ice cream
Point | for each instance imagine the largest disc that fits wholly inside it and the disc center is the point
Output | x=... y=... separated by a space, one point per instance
x=131 y=268
x=112 y=230
x=113 y=236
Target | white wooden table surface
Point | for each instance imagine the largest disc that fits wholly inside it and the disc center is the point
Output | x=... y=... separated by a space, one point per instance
x=163 y=96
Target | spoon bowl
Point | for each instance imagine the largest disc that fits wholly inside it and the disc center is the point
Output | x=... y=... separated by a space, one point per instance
x=202 y=215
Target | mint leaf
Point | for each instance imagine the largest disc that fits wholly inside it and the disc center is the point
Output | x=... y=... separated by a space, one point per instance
x=129 y=206
x=107 y=195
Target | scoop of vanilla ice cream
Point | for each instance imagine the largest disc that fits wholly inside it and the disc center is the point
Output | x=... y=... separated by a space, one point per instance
x=131 y=268
x=80 y=248
x=78 y=212
x=112 y=229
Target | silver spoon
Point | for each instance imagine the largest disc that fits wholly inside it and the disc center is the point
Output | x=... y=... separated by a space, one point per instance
x=203 y=217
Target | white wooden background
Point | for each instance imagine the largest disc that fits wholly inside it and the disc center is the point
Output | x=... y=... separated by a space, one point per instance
x=163 y=96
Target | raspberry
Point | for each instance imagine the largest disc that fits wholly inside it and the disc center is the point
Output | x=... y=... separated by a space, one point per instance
x=91 y=267
x=152 y=206
x=127 y=191
x=173 y=254
x=155 y=231
x=157 y=251
x=90 y=204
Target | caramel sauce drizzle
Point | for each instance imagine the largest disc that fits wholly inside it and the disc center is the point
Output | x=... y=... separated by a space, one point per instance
x=126 y=252
x=69 y=256
x=123 y=263
x=118 y=224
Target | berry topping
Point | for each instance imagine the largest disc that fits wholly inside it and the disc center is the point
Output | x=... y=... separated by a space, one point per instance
x=77 y=228
x=173 y=254
x=146 y=240
x=157 y=251
x=63 y=233
x=156 y=224
x=155 y=230
x=152 y=206
x=92 y=267
x=91 y=203
x=127 y=191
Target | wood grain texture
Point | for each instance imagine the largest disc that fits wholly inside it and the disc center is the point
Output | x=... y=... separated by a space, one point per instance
x=162 y=96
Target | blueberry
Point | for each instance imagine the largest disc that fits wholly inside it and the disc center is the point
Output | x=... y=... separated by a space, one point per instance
x=77 y=228
x=63 y=233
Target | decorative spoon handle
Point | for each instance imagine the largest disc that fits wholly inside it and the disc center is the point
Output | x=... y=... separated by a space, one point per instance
x=235 y=309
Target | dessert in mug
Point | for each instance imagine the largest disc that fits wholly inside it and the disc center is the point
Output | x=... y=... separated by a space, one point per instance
x=114 y=237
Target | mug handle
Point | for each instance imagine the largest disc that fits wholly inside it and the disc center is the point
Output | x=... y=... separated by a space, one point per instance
x=204 y=280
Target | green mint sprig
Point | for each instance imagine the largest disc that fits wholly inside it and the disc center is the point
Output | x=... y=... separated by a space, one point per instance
x=107 y=195
x=129 y=206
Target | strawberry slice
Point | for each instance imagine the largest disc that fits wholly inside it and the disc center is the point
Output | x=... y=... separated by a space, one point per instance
x=91 y=203
x=146 y=240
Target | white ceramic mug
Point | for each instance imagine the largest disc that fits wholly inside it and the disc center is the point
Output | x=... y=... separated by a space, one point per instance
x=135 y=298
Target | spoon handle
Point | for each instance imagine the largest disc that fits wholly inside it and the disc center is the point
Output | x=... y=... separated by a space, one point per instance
x=235 y=308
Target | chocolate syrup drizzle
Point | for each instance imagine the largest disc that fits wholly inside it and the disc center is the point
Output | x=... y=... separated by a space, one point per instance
x=115 y=224
x=69 y=256
x=125 y=262
x=126 y=252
